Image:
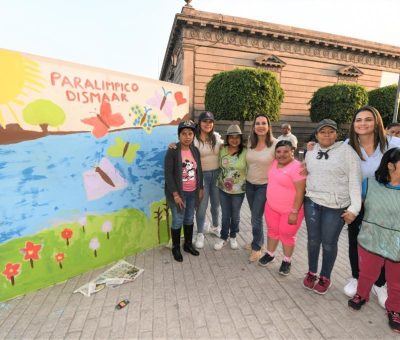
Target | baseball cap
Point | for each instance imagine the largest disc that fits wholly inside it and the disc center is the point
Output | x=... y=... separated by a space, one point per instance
x=206 y=115
x=186 y=124
x=326 y=122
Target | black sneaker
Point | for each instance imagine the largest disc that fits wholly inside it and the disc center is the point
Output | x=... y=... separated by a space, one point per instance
x=356 y=302
x=266 y=260
x=394 y=321
x=285 y=268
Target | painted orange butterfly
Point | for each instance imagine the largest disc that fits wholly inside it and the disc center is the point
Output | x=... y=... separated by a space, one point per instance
x=105 y=120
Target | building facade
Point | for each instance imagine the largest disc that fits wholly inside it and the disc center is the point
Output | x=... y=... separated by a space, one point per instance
x=202 y=44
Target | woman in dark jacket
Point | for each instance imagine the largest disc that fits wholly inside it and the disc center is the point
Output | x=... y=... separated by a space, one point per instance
x=183 y=187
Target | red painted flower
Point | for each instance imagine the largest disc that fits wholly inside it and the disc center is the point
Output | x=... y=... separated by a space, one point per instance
x=66 y=234
x=11 y=270
x=59 y=257
x=31 y=251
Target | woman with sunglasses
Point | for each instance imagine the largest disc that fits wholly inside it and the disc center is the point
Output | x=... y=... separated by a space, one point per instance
x=333 y=198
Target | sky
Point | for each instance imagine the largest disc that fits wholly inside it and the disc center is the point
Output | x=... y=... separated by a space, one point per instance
x=131 y=36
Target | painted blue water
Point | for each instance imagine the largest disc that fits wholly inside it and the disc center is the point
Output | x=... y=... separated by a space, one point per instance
x=42 y=183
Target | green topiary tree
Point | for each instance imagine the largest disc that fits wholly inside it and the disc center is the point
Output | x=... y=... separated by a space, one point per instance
x=337 y=102
x=384 y=99
x=241 y=94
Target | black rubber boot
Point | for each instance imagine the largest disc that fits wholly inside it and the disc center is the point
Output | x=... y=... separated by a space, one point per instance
x=188 y=246
x=176 y=244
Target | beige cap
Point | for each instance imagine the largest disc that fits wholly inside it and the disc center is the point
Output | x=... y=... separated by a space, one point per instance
x=233 y=130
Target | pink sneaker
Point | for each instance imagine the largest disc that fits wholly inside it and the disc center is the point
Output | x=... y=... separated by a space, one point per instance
x=323 y=285
x=309 y=281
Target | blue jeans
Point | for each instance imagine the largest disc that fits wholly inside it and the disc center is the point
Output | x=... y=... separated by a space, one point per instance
x=230 y=207
x=323 y=226
x=256 y=196
x=184 y=216
x=210 y=192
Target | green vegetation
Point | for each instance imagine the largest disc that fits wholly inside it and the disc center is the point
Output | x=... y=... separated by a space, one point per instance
x=73 y=248
x=241 y=94
x=383 y=99
x=337 y=102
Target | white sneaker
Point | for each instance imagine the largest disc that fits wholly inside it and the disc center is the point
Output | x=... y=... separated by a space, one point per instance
x=350 y=289
x=219 y=244
x=233 y=242
x=215 y=231
x=381 y=293
x=200 y=241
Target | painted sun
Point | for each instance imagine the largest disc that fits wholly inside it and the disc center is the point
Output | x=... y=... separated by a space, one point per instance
x=19 y=76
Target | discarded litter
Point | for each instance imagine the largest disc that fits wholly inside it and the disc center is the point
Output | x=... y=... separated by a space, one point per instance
x=118 y=274
x=122 y=304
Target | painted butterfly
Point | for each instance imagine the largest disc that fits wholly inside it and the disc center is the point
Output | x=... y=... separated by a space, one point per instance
x=105 y=120
x=123 y=149
x=145 y=119
x=102 y=180
x=160 y=102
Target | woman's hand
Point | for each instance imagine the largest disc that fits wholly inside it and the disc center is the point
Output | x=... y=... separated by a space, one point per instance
x=303 y=171
x=179 y=201
x=172 y=146
x=201 y=194
x=348 y=216
x=310 y=146
x=293 y=218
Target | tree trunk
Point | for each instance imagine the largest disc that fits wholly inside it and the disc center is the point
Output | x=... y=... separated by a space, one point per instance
x=44 y=127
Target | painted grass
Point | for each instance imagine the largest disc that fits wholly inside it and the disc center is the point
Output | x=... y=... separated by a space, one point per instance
x=131 y=232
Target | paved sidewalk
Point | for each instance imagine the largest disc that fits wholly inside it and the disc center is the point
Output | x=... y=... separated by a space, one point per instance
x=215 y=295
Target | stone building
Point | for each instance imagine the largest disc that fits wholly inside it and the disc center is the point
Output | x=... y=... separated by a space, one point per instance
x=202 y=44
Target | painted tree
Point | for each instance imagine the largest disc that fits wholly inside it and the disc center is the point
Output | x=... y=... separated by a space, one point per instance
x=158 y=217
x=241 y=94
x=166 y=210
x=44 y=113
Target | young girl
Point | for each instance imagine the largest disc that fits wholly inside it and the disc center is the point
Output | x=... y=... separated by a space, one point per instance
x=284 y=207
x=379 y=237
x=183 y=187
x=231 y=183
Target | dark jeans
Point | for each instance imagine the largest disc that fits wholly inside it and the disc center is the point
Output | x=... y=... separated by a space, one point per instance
x=256 y=196
x=185 y=215
x=323 y=227
x=353 y=230
x=230 y=207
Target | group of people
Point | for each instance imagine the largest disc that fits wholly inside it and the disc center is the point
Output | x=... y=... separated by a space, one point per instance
x=354 y=182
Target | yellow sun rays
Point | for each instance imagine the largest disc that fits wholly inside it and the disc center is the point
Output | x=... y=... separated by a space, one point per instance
x=19 y=76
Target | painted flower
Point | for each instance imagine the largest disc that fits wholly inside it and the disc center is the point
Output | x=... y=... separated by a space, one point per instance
x=66 y=234
x=106 y=228
x=94 y=244
x=31 y=251
x=83 y=222
x=59 y=257
x=11 y=271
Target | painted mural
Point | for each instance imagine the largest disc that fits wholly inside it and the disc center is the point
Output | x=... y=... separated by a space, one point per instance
x=81 y=167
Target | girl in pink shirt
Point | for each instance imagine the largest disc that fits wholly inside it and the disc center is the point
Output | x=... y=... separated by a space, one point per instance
x=284 y=207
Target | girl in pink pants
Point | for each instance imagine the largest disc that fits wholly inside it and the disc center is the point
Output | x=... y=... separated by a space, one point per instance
x=284 y=207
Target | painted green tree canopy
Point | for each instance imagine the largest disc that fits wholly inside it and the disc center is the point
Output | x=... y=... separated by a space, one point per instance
x=44 y=112
x=241 y=94
x=337 y=102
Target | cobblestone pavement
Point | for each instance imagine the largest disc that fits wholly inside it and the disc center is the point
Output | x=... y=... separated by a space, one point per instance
x=216 y=295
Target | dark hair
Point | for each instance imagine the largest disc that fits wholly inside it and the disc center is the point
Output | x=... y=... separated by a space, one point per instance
x=382 y=173
x=210 y=136
x=254 y=137
x=285 y=143
x=241 y=145
x=379 y=134
x=389 y=126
